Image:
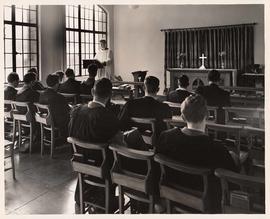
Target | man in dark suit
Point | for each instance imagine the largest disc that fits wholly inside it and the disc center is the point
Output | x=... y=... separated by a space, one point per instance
x=70 y=86
x=146 y=107
x=36 y=85
x=13 y=82
x=58 y=104
x=87 y=85
x=181 y=93
x=214 y=95
x=191 y=145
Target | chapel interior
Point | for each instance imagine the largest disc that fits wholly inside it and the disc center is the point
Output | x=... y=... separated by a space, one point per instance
x=48 y=174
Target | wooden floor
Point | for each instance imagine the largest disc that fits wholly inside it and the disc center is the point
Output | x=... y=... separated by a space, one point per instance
x=43 y=185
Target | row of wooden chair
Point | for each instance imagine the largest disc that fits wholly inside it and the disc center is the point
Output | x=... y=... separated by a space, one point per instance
x=20 y=115
x=140 y=186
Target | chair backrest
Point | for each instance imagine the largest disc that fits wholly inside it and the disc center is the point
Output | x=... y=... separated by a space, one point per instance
x=212 y=113
x=232 y=135
x=8 y=108
x=246 y=116
x=175 y=107
x=186 y=196
x=244 y=201
x=43 y=114
x=175 y=121
x=149 y=138
x=128 y=178
x=71 y=98
x=22 y=111
x=87 y=168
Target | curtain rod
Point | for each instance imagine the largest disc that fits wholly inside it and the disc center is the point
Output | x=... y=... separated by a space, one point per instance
x=210 y=27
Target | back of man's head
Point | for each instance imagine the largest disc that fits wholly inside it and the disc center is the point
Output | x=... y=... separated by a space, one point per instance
x=194 y=108
x=214 y=76
x=70 y=73
x=60 y=74
x=103 y=88
x=92 y=70
x=52 y=80
x=33 y=70
x=13 y=77
x=29 y=77
x=151 y=84
x=183 y=81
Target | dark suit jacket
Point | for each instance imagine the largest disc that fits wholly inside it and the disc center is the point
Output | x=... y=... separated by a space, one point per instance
x=214 y=95
x=178 y=96
x=146 y=107
x=70 y=86
x=86 y=86
x=194 y=148
x=10 y=93
x=38 y=86
x=58 y=105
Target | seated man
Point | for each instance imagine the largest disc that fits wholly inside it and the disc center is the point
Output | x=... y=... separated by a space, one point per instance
x=13 y=82
x=181 y=93
x=191 y=145
x=87 y=85
x=60 y=74
x=58 y=104
x=37 y=85
x=93 y=122
x=70 y=86
x=146 y=107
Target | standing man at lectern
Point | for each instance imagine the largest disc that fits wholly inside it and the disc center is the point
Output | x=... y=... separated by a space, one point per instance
x=104 y=56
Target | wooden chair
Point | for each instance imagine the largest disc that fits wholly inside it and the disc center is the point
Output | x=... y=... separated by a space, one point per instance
x=175 y=107
x=188 y=200
x=23 y=116
x=135 y=185
x=85 y=98
x=149 y=136
x=245 y=116
x=100 y=176
x=256 y=145
x=248 y=199
x=8 y=119
x=71 y=98
x=44 y=117
x=212 y=113
x=175 y=121
x=9 y=153
x=246 y=101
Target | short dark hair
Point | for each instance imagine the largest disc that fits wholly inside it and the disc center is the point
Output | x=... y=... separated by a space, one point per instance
x=183 y=81
x=214 y=76
x=12 y=77
x=33 y=70
x=103 y=88
x=92 y=70
x=60 y=74
x=151 y=84
x=69 y=72
x=52 y=79
x=29 y=77
x=194 y=108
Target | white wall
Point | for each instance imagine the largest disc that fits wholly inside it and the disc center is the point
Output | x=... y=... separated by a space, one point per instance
x=139 y=44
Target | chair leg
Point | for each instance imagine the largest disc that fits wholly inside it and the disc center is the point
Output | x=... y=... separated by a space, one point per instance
x=20 y=134
x=12 y=149
x=31 y=138
x=52 y=142
x=151 y=204
x=82 y=208
x=168 y=206
x=121 y=210
x=107 y=197
x=42 y=140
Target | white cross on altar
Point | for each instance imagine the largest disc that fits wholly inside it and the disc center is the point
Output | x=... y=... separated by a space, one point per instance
x=202 y=58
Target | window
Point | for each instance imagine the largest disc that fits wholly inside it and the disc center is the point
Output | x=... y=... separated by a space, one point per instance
x=20 y=39
x=85 y=26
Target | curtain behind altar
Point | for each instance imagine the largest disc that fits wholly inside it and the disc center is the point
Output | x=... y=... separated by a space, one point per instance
x=235 y=42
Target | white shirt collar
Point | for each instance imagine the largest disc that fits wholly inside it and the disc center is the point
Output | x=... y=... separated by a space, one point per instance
x=181 y=88
x=102 y=104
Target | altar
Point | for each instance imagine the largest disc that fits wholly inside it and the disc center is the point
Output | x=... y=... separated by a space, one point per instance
x=199 y=77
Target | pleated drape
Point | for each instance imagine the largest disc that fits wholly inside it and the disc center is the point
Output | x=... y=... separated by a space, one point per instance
x=236 y=42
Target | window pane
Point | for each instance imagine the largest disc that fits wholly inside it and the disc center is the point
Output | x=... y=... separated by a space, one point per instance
x=18 y=60
x=77 y=59
x=19 y=46
x=76 y=47
x=76 y=25
x=33 y=46
x=76 y=37
x=71 y=47
x=7 y=11
x=33 y=17
x=33 y=33
x=27 y=61
x=26 y=16
x=70 y=11
x=8 y=31
x=67 y=22
x=18 y=14
x=26 y=31
x=19 y=71
x=71 y=22
x=18 y=32
x=33 y=59
x=8 y=60
x=33 y=7
x=8 y=46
